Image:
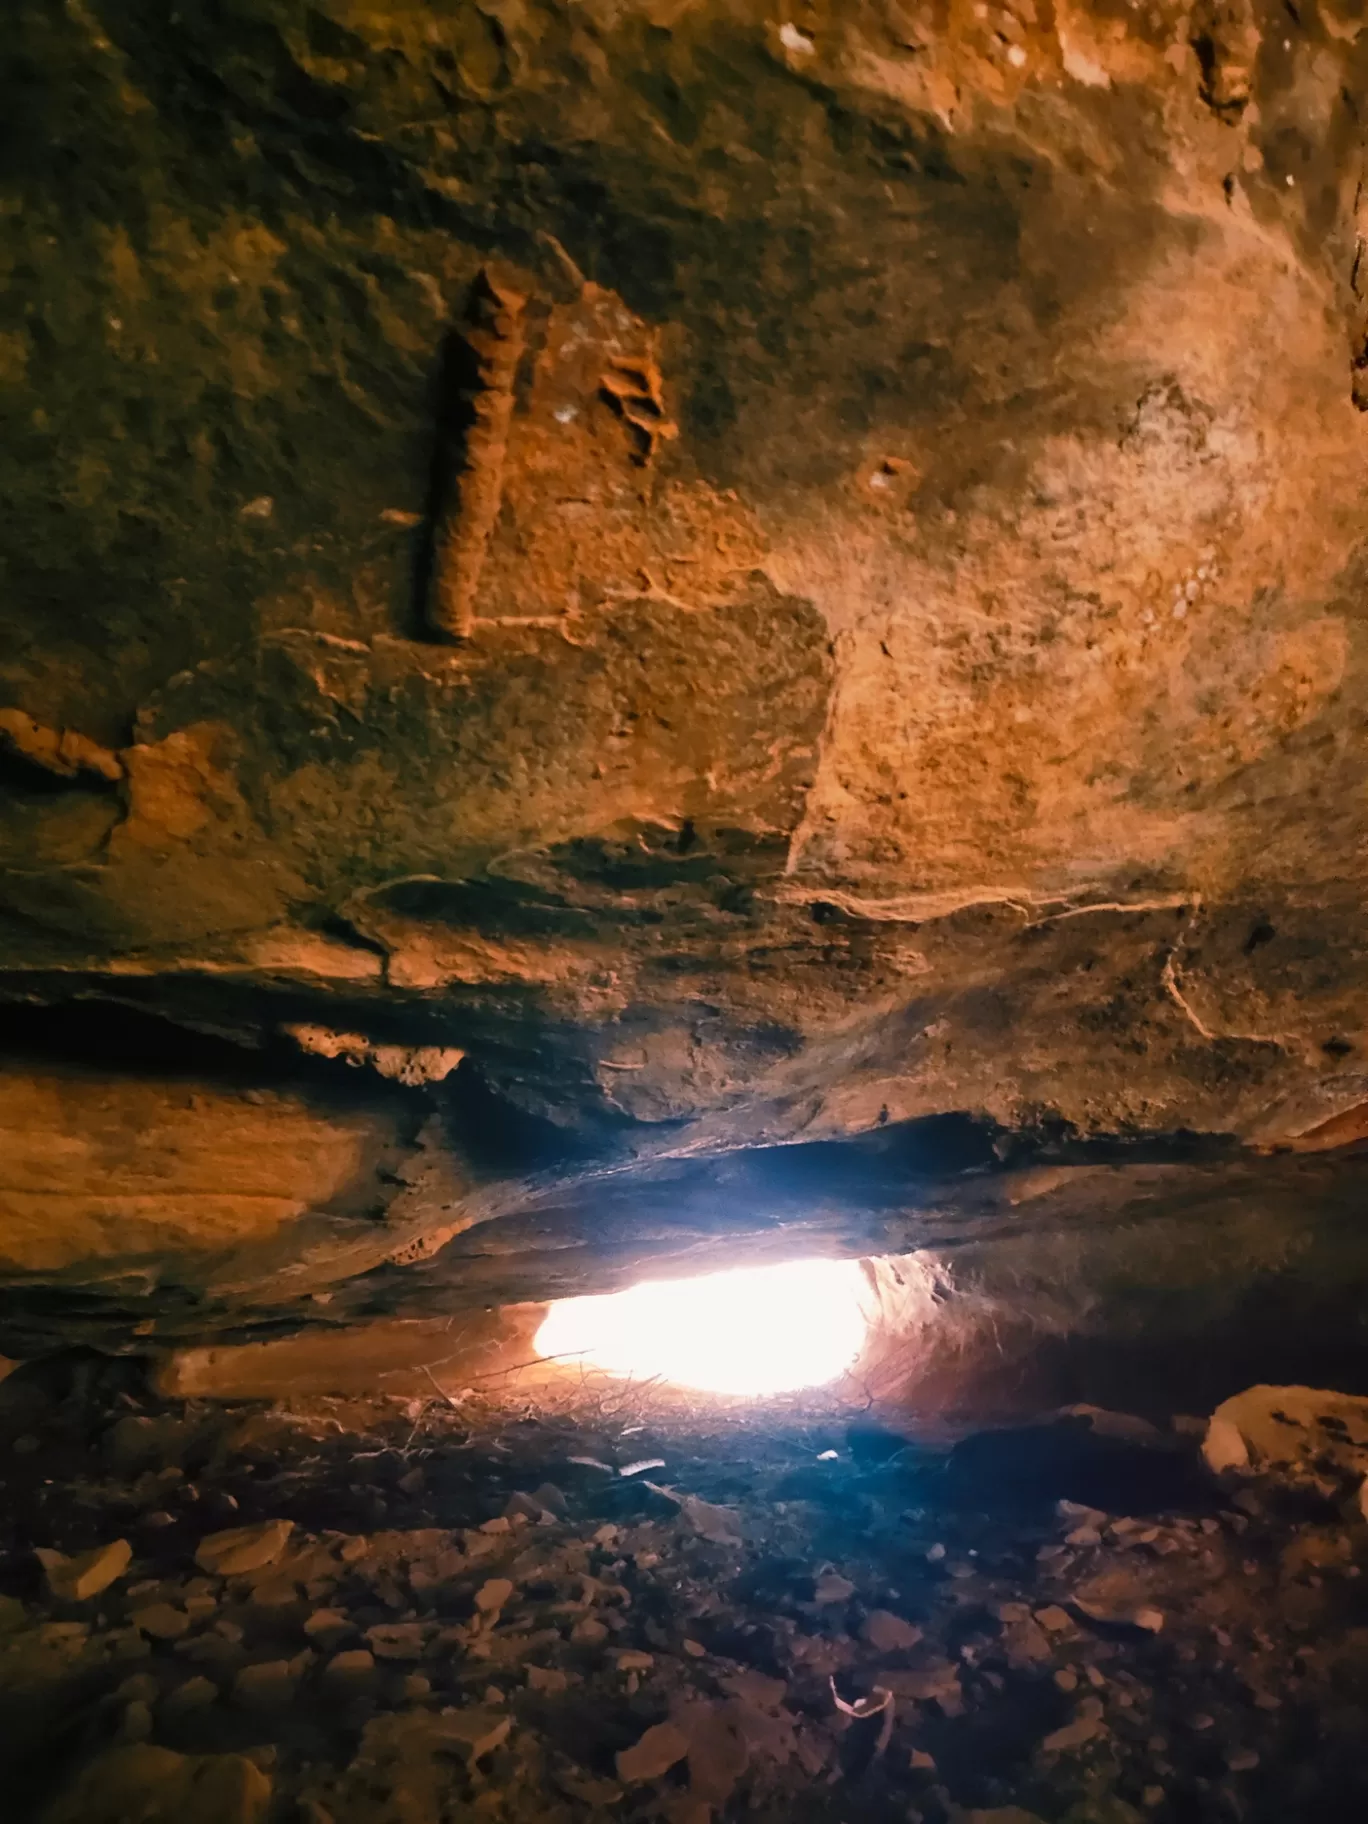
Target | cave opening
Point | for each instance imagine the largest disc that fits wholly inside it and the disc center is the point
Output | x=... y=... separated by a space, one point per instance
x=749 y=1330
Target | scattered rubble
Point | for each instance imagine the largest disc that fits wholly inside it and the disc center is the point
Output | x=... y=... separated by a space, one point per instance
x=774 y=1634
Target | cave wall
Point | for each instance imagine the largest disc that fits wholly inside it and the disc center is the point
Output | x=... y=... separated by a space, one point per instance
x=612 y=583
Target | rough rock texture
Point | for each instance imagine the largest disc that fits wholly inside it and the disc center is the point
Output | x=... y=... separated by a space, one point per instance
x=489 y=1615
x=760 y=578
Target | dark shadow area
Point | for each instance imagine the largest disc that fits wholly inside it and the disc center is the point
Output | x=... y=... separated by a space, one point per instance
x=1031 y=1467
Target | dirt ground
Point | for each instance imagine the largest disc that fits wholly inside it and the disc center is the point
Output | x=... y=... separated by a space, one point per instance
x=614 y=1607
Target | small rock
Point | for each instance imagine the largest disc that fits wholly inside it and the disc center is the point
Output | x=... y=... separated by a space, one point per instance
x=694 y=1648
x=415 y=1687
x=243 y=1548
x=477 y=1732
x=140 y=1687
x=265 y=1685
x=1086 y=1725
x=889 y=1633
x=161 y=1620
x=921 y=1761
x=1054 y=1619
x=492 y=1595
x=328 y=1626
x=1241 y=1760
x=546 y=1678
x=398 y=1639
x=527 y=1507
x=719 y=1525
x=1081 y=1515
x=934 y=1553
x=275 y=1593
x=1107 y=1614
x=589 y=1633
x=499 y=1524
x=78 y=1579
x=718 y=1756
x=353 y=1670
x=1066 y=1678
x=661 y=1748
x=136 y=1724
x=630 y=1660
x=832 y=1587
x=13 y=1615
x=194 y=1694
x=548 y=1496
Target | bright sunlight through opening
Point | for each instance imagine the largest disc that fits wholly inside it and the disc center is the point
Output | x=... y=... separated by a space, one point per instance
x=753 y=1330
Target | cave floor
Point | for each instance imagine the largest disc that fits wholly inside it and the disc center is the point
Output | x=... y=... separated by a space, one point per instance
x=478 y=1614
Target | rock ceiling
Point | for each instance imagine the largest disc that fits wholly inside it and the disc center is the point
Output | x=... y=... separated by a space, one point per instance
x=591 y=586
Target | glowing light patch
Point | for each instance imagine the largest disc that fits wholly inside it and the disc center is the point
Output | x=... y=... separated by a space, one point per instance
x=753 y=1330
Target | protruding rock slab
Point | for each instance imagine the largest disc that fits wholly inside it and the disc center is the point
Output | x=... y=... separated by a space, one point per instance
x=397 y=1356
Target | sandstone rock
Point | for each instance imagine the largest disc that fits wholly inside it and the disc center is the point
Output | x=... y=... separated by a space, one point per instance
x=79 y=1578
x=244 y=1548
x=831 y=1587
x=652 y=1755
x=398 y=1639
x=328 y=1626
x=1224 y=1447
x=162 y=1620
x=193 y=1695
x=351 y=1670
x=266 y=1685
x=720 y=1525
x=63 y=752
x=1054 y=1619
x=889 y=1633
x=477 y=1732
x=137 y=1442
x=492 y=1595
x=1085 y=1727
x=546 y=1678
x=1289 y=1431
x=156 y=1786
x=718 y=1754
x=136 y=1723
